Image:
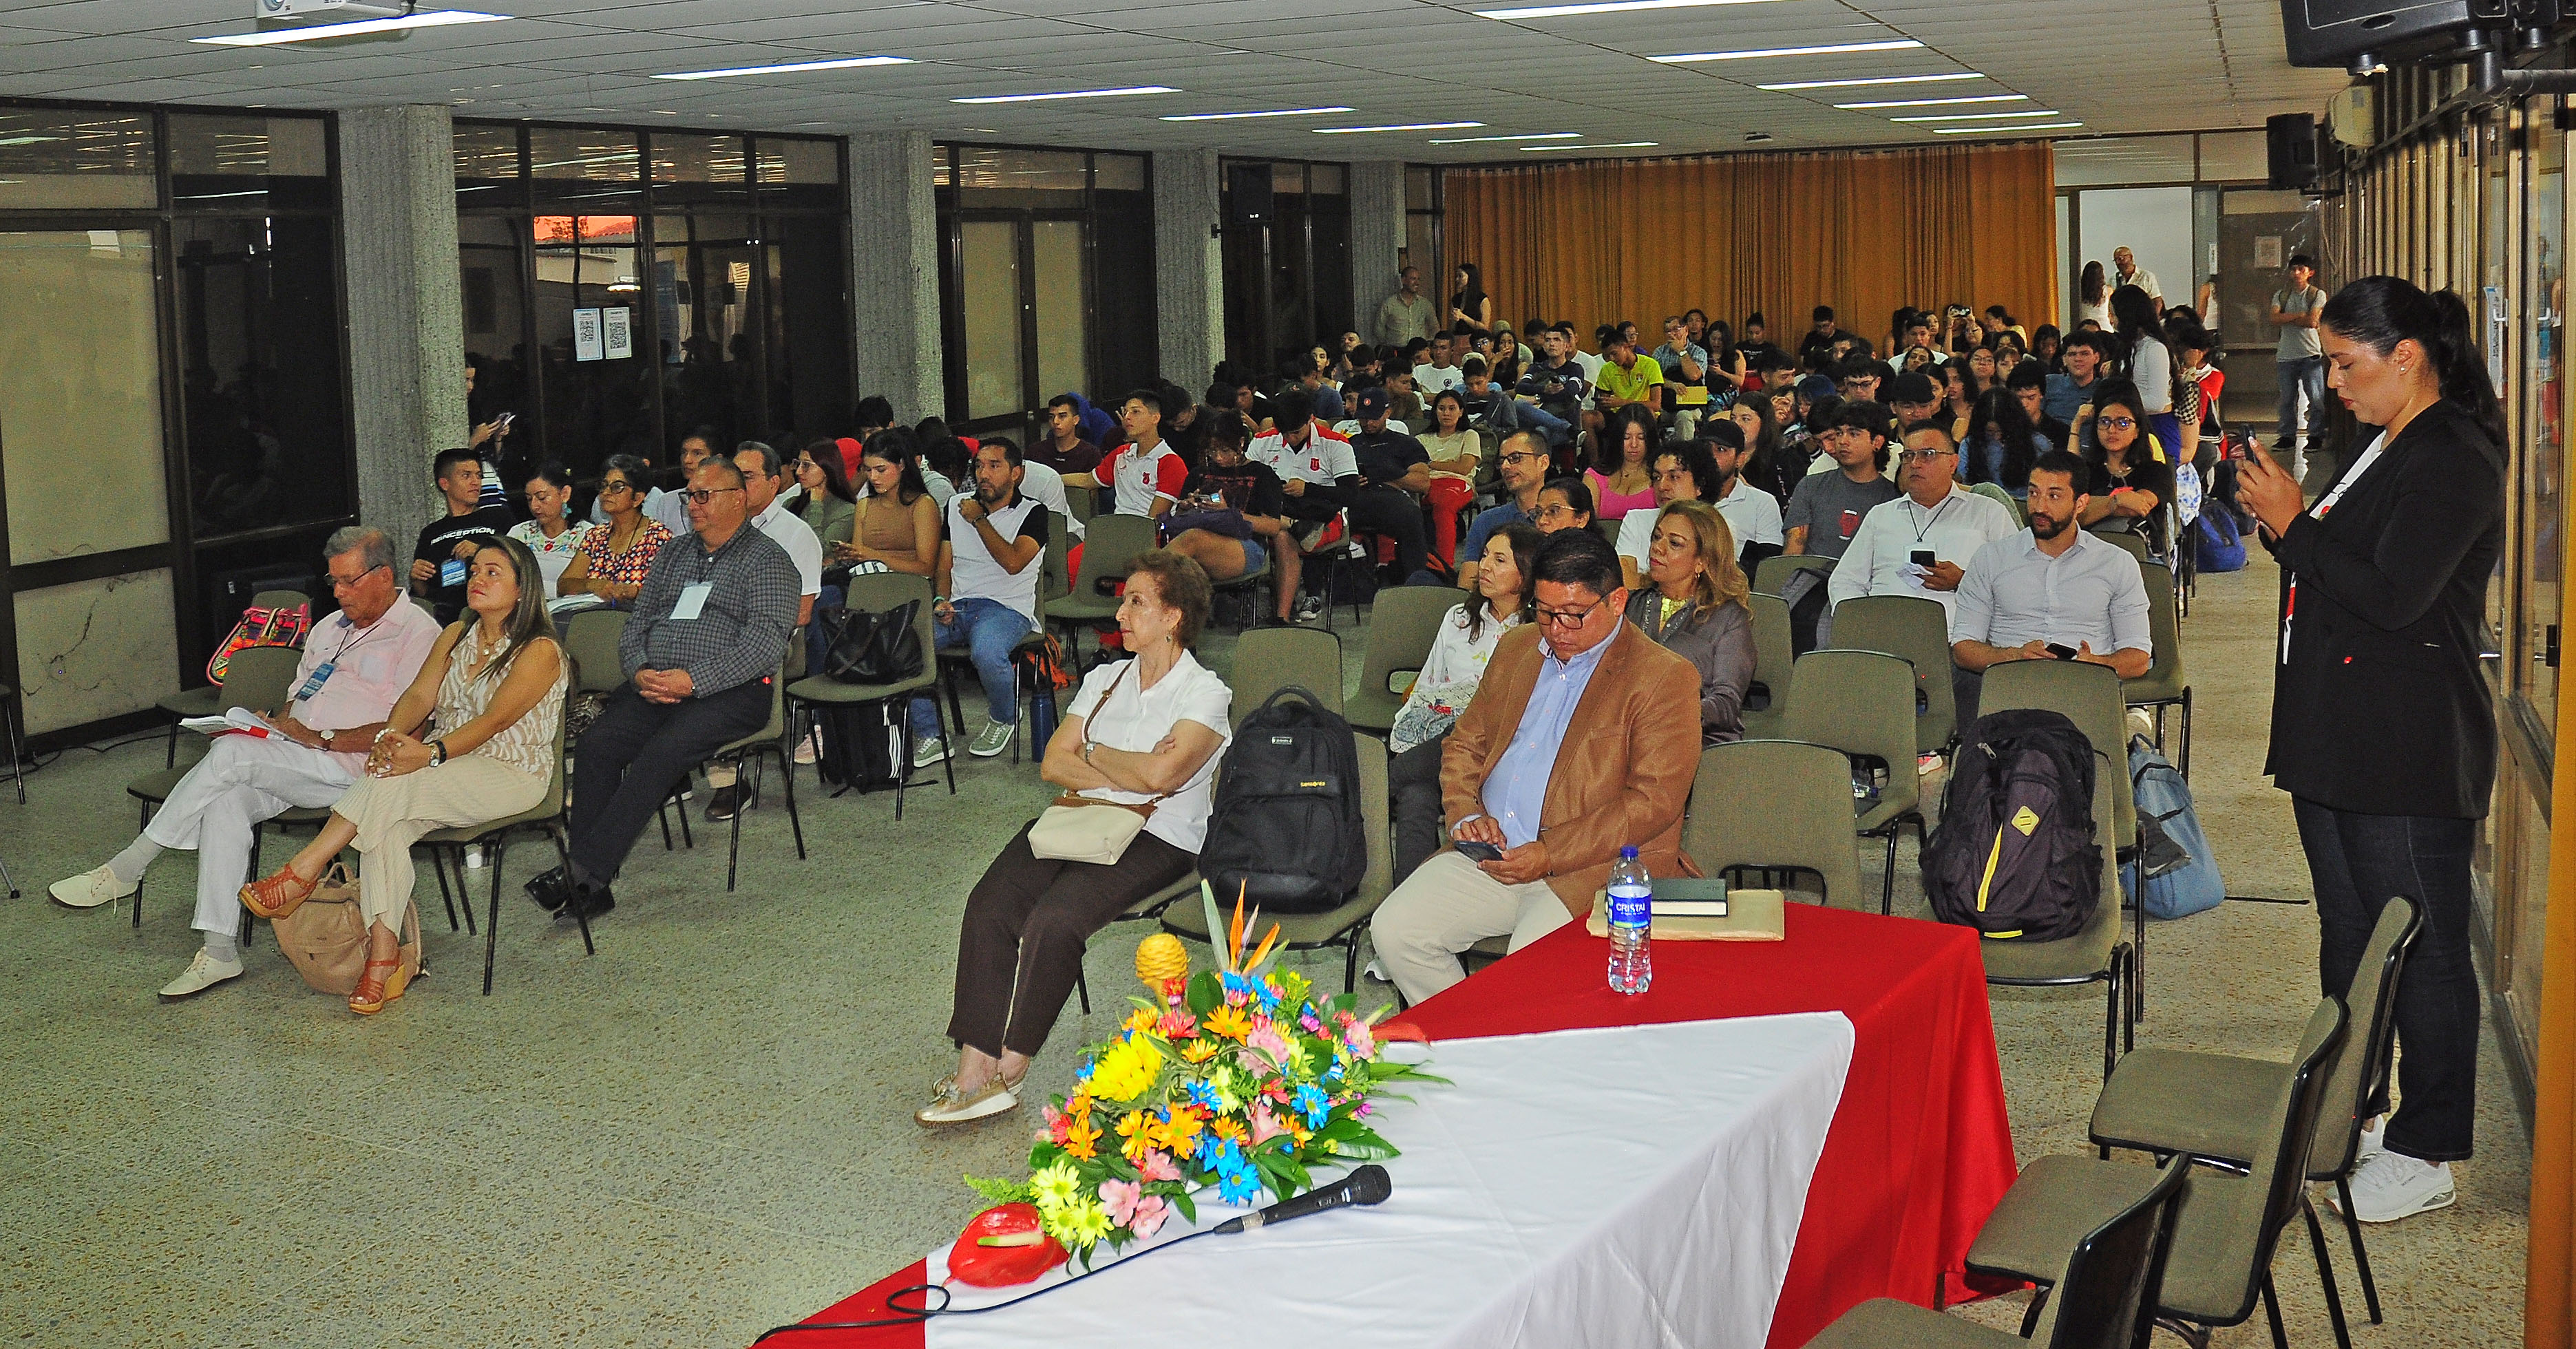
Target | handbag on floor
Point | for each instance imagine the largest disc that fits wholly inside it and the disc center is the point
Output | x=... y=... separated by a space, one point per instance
x=326 y=935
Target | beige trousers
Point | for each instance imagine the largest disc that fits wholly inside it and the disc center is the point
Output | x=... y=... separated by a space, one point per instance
x=392 y=813
x=1447 y=905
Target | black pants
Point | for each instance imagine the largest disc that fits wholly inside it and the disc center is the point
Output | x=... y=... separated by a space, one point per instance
x=2358 y=862
x=1397 y=514
x=1020 y=948
x=635 y=753
x=1413 y=781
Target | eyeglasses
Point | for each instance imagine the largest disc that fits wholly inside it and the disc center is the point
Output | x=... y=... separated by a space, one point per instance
x=614 y=486
x=705 y=495
x=1554 y=511
x=339 y=582
x=1521 y=457
x=1921 y=456
x=1569 y=618
x=2114 y=423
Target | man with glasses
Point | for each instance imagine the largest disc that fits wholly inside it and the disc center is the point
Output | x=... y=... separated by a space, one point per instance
x=699 y=651
x=447 y=544
x=762 y=472
x=1920 y=543
x=1566 y=755
x=1522 y=465
x=356 y=663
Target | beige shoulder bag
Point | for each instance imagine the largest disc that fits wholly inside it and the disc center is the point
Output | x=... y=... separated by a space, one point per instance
x=1080 y=828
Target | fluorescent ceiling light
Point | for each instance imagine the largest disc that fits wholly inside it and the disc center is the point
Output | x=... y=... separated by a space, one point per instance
x=1070 y=93
x=1600 y=7
x=1614 y=145
x=1974 y=116
x=29 y=140
x=1940 y=102
x=1225 y=116
x=1981 y=130
x=1836 y=49
x=427 y=18
x=1406 y=126
x=790 y=67
x=1471 y=140
x=1875 y=79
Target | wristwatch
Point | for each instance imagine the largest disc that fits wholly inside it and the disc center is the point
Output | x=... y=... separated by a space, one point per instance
x=437 y=752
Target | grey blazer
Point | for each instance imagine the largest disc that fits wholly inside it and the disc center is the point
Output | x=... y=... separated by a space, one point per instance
x=1719 y=643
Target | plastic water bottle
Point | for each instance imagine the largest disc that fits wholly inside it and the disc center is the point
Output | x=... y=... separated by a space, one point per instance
x=1632 y=964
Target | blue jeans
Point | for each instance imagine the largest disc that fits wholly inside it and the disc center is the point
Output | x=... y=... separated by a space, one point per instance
x=817 y=641
x=1511 y=414
x=988 y=629
x=2357 y=861
x=2308 y=373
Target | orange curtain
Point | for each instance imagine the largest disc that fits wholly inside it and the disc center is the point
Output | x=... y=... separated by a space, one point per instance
x=1865 y=232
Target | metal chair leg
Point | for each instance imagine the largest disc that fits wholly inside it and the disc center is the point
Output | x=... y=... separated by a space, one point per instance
x=1351 y=961
x=2325 y=1272
x=687 y=840
x=664 y=812
x=492 y=923
x=741 y=806
x=2272 y=1310
x=787 y=770
x=438 y=865
x=956 y=709
x=1082 y=986
x=903 y=767
x=2360 y=1253
x=1887 y=890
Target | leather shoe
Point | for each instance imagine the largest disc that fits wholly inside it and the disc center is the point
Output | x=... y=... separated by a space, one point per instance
x=550 y=888
x=589 y=902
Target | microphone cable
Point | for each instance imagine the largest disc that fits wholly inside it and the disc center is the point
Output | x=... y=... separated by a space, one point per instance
x=913 y=1316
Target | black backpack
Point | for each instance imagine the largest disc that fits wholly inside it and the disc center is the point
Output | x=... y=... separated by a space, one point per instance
x=1285 y=828
x=2014 y=856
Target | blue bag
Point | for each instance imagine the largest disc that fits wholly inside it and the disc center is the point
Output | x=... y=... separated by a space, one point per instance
x=2215 y=536
x=2164 y=801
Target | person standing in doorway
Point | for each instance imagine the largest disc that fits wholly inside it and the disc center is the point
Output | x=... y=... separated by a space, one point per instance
x=2302 y=358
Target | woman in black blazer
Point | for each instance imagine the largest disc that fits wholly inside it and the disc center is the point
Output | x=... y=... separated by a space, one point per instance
x=2382 y=727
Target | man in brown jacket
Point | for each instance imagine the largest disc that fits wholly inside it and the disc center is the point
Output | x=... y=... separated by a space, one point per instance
x=1582 y=739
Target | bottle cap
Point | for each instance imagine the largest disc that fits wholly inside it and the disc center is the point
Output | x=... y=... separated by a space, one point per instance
x=1629 y=852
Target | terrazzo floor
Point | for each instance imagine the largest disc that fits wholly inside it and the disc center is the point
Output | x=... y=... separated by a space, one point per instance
x=705 y=1130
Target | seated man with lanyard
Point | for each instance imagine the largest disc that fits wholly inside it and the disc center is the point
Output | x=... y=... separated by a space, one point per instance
x=2050 y=592
x=700 y=653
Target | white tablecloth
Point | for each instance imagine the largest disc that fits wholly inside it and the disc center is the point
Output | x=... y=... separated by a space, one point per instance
x=1623 y=1187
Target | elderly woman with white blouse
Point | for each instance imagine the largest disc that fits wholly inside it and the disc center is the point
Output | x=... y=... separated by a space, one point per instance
x=1147 y=730
x=1448 y=681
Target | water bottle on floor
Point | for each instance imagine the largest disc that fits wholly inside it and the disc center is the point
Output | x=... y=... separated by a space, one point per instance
x=1632 y=964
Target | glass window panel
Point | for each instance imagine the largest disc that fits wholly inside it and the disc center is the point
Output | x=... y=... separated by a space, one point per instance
x=496 y=351
x=702 y=293
x=95 y=649
x=231 y=163
x=1332 y=273
x=990 y=278
x=2544 y=512
x=679 y=157
x=785 y=160
x=992 y=176
x=486 y=153
x=2231 y=156
x=578 y=166
x=1063 y=324
x=940 y=156
x=2123 y=159
x=59 y=158
x=1118 y=173
x=259 y=370
x=1326 y=179
x=80 y=338
x=809 y=332
x=595 y=405
x=1288 y=179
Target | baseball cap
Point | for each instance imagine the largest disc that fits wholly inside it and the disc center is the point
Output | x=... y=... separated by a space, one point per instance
x=1374 y=402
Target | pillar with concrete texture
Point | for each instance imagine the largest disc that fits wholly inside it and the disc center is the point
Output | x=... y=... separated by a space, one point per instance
x=1189 y=265
x=406 y=311
x=894 y=274
x=1377 y=233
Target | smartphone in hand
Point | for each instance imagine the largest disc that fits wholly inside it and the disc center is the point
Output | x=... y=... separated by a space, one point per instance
x=2061 y=651
x=1476 y=851
x=1924 y=558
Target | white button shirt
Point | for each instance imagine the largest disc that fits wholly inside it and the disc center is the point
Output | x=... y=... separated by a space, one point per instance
x=1880 y=558
x=2014 y=594
x=1752 y=513
x=790 y=532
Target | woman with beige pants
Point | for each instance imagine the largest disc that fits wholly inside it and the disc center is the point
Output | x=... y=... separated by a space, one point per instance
x=495 y=682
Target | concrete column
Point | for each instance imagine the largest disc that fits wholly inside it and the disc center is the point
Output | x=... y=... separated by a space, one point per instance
x=1189 y=265
x=1377 y=231
x=406 y=314
x=894 y=274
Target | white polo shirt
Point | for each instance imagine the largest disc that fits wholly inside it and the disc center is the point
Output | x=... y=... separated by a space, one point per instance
x=1880 y=558
x=1324 y=458
x=1753 y=514
x=973 y=573
x=789 y=531
x=1431 y=379
x=1047 y=485
x=1137 y=479
x=2015 y=594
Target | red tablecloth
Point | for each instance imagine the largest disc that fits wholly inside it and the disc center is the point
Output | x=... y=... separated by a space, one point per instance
x=1920 y=1149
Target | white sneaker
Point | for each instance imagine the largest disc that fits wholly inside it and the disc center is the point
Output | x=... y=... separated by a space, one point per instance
x=2141 y=725
x=2392 y=1185
x=1925 y=765
x=203 y=972
x=992 y=740
x=928 y=753
x=90 y=889
x=810 y=748
x=2373 y=1141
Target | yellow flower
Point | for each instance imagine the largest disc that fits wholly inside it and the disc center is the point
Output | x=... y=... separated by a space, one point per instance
x=1176 y=1135
x=1078 y=1224
x=1226 y=1128
x=1138 y=1131
x=1229 y=1022
x=1200 y=1050
x=1140 y=1021
x=1082 y=1140
x=1054 y=1185
x=1126 y=1070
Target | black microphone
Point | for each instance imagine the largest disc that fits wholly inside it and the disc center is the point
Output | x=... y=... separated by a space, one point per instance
x=1367 y=1185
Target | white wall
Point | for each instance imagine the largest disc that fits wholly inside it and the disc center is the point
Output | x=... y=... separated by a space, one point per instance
x=2152 y=222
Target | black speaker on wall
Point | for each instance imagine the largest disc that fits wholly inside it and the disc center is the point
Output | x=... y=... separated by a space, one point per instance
x=2291 y=138
x=2375 y=33
x=1247 y=194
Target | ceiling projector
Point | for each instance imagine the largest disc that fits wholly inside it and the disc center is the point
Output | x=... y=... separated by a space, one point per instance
x=329 y=11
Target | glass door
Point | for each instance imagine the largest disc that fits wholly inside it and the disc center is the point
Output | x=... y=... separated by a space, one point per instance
x=1025 y=280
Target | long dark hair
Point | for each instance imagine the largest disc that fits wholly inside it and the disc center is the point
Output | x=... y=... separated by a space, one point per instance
x=826 y=455
x=1614 y=436
x=2133 y=312
x=2381 y=311
x=895 y=445
x=1474 y=290
x=1999 y=414
x=2091 y=284
x=1524 y=539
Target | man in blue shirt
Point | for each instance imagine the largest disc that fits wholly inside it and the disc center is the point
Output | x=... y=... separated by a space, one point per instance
x=1569 y=752
x=2083 y=355
x=1522 y=463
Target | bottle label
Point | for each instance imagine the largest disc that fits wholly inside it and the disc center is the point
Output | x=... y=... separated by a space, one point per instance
x=1632 y=907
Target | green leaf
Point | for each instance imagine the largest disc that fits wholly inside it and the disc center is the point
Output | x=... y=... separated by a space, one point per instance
x=1207 y=992
x=999 y=1191
x=1188 y=1207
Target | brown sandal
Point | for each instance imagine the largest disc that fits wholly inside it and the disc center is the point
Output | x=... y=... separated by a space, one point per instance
x=278 y=895
x=375 y=990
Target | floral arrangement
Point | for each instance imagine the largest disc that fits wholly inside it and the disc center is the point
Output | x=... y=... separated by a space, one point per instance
x=1234 y=1079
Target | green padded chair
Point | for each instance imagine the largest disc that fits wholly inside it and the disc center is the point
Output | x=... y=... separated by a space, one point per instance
x=1862 y=703
x=1916 y=630
x=1270 y=659
x=2213 y=1105
x=2104 y=1295
x=772 y=741
x=2164 y=684
x=1338 y=927
x=206 y=701
x=2128 y=541
x=493 y=836
x=258 y=677
x=2229 y=1225
x=2095 y=954
x=1994 y=492
x=1772 y=659
x=880 y=593
x=1402 y=626
x=1771 y=573
x=1774 y=805
x=1108 y=551
x=2089 y=696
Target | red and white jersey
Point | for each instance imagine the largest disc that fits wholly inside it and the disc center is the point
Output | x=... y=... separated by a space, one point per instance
x=1325 y=457
x=1139 y=478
